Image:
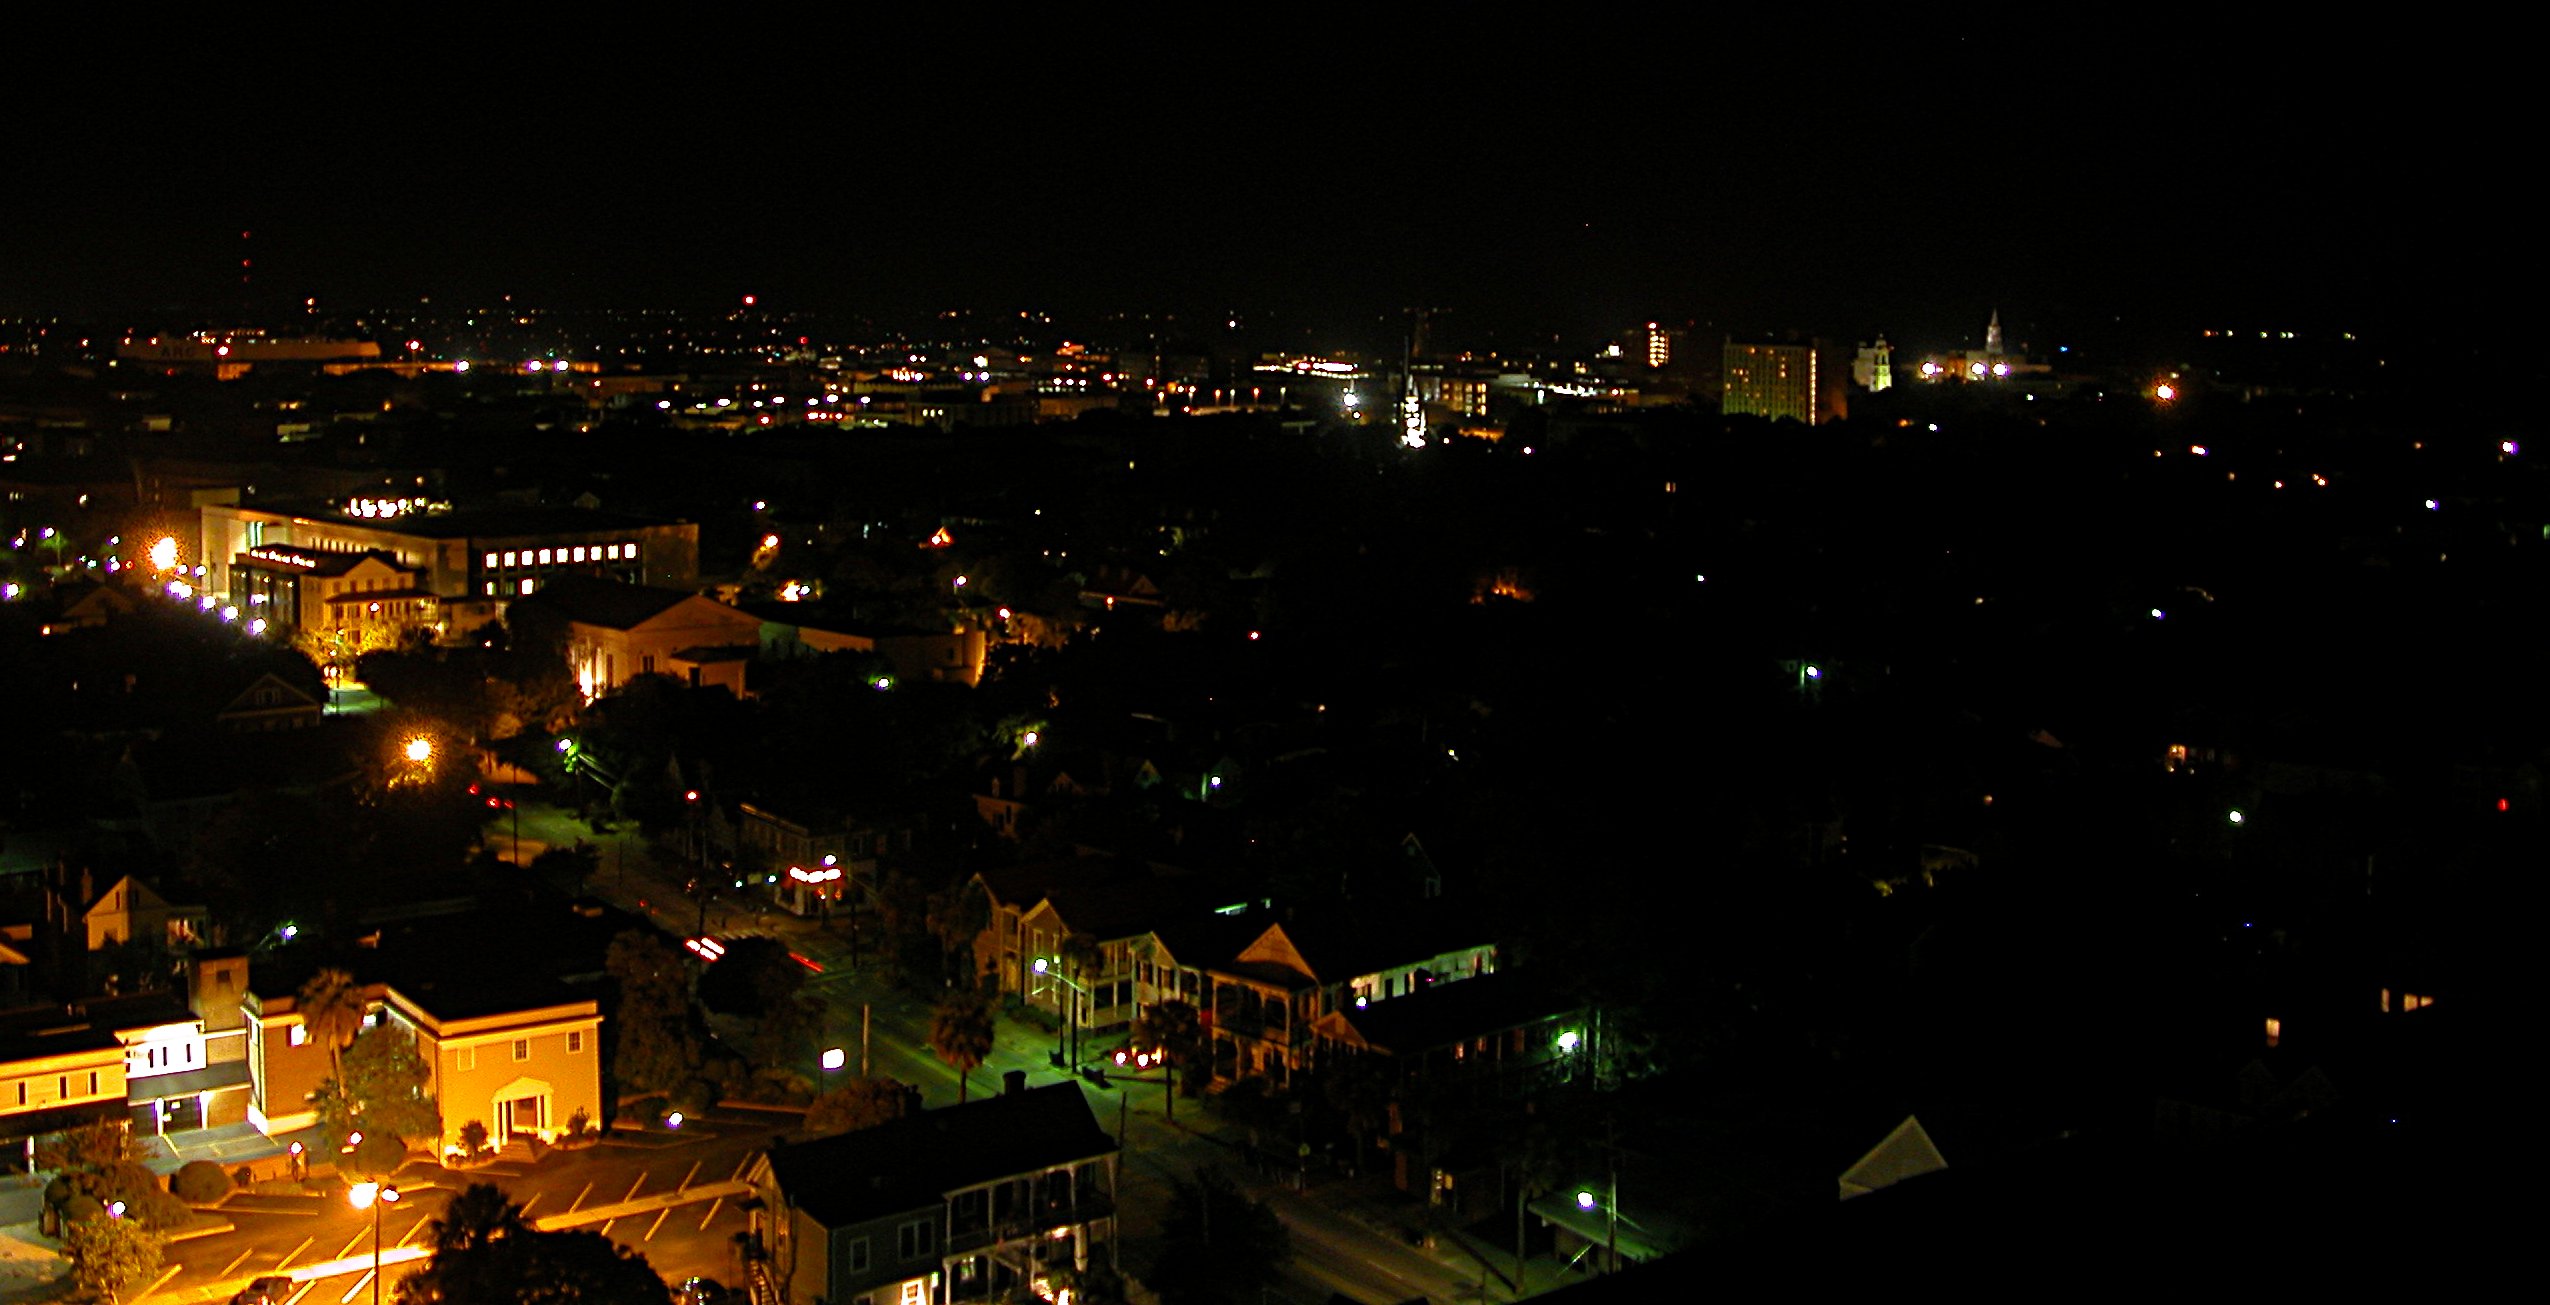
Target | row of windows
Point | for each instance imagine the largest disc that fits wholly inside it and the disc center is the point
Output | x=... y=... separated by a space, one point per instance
x=61 y=1087
x=912 y=1241
x=468 y=1056
x=156 y=1055
x=554 y=556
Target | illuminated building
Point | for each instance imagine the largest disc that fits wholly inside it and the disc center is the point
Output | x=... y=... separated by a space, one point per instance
x=1769 y=379
x=1659 y=345
x=1873 y=369
x=617 y=632
x=455 y=568
x=1004 y=1197
x=521 y=1060
x=821 y=858
x=1992 y=363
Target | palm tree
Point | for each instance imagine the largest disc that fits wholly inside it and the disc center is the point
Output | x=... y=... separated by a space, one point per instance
x=478 y=1215
x=961 y=1033
x=332 y=1007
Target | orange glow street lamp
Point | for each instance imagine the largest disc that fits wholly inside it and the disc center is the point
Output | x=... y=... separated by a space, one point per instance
x=372 y=1196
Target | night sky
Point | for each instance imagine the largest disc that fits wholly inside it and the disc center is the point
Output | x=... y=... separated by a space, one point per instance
x=1841 y=176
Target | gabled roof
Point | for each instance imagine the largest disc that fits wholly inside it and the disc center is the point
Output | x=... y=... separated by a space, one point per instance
x=915 y=1162
x=1022 y=886
x=1342 y=944
x=270 y=692
x=1907 y=1152
x=608 y=603
x=1448 y=1013
x=1126 y=909
x=140 y=897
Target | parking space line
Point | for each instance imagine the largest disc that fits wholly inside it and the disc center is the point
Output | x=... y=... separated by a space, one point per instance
x=712 y=1213
x=160 y=1281
x=355 y=1290
x=633 y=1187
x=535 y=1199
x=659 y=1222
x=233 y=1266
x=685 y=1184
x=348 y=1251
x=578 y=1203
x=293 y=1254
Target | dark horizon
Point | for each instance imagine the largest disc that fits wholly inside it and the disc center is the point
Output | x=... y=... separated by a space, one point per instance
x=1904 y=184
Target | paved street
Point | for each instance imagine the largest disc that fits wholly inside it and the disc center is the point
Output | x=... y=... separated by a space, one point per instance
x=1337 y=1247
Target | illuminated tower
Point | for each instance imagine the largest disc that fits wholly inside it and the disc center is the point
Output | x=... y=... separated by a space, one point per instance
x=1992 y=336
x=1874 y=370
x=1659 y=346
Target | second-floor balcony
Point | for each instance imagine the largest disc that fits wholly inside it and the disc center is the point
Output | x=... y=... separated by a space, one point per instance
x=966 y=1236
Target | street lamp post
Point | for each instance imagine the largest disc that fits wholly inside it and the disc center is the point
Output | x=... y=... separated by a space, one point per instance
x=372 y=1196
x=1071 y=1014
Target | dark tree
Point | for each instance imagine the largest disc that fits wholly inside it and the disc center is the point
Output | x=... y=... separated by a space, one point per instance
x=961 y=1031
x=659 y=1046
x=520 y=1267
x=857 y=1104
x=1218 y=1246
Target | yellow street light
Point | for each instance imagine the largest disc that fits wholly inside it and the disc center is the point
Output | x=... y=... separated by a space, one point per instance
x=420 y=749
x=372 y=1196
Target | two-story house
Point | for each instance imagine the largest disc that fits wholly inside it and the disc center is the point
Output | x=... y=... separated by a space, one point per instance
x=1261 y=1003
x=818 y=860
x=98 y=912
x=973 y=1202
x=520 y=1057
x=1093 y=922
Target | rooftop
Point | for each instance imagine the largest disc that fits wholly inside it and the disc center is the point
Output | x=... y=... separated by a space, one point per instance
x=916 y=1161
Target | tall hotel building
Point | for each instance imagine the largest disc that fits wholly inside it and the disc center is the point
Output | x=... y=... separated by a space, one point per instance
x=1766 y=379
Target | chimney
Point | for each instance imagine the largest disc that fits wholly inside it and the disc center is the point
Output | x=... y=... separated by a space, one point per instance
x=1013 y=1082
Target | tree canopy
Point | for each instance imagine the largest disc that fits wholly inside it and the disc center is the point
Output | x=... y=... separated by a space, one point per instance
x=1218 y=1246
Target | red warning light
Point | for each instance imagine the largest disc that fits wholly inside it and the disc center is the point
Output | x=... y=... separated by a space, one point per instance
x=2504 y=805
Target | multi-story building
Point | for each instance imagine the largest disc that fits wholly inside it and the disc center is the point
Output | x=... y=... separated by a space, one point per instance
x=458 y=565
x=1771 y=379
x=816 y=860
x=981 y=1201
x=519 y=1058
x=1262 y=1003
x=618 y=631
x=167 y=1062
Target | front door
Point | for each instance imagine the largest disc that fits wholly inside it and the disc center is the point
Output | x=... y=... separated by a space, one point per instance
x=178 y=1114
x=522 y=1115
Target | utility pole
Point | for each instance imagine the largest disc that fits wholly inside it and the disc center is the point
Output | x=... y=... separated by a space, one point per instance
x=1611 y=1207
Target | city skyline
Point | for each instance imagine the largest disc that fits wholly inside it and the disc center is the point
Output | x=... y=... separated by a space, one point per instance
x=1904 y=186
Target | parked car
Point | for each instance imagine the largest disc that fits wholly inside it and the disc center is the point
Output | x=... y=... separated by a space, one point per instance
x=706 y=1291
x=271 y=1290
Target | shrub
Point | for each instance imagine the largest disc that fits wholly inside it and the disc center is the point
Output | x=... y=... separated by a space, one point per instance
x=155 y=1208
x=578 y=1123
x=473 y=1138
x=244 y=1176
x=199 y=1182
x=693 y=1098
x=82 y=1207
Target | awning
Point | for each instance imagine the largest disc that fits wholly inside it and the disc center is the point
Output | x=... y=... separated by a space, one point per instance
x=161 y=1087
